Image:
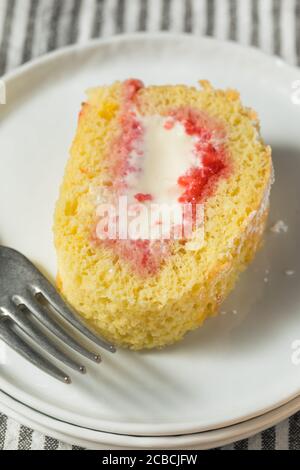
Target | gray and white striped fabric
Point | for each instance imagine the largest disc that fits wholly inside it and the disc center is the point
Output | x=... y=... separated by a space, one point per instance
x=30 y=28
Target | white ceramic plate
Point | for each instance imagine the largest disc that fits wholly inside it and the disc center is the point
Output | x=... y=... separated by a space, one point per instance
x=236 y=366
x=90 y=439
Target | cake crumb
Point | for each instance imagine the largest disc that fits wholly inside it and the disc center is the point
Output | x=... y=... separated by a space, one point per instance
x=266 y=279
x=279 y=227
x=289 y=272
x=234 y=312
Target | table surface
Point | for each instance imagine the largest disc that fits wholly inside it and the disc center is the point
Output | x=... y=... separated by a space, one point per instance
x=31 y=28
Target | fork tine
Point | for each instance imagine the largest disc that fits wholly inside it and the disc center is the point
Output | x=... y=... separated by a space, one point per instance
x=10 y=336
x=43 y=315
x=45 y=287
x=23 y=321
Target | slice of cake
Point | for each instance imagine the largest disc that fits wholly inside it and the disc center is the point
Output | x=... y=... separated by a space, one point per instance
x=163 y=204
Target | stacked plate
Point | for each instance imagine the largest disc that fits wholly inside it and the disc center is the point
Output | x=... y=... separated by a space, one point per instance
x=238 y=374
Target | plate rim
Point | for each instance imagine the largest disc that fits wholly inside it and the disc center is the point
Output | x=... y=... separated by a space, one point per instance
x=140 y=35
x=272 y=60
x=76 y=435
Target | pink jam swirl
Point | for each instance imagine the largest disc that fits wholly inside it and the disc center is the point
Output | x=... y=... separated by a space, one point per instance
x=145 y=257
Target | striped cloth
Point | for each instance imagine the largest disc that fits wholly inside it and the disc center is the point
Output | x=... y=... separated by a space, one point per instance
x=30 y=28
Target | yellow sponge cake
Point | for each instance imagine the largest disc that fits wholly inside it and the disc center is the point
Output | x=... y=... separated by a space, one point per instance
x=144 y=280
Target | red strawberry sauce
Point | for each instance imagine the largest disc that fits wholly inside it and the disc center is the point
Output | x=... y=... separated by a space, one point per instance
x=199 y=183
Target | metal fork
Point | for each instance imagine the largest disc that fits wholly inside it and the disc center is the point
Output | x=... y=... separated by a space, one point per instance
x=29 y=302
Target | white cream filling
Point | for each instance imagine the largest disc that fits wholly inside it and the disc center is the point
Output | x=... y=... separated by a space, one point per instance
x=163 y=154
x=160 y=159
